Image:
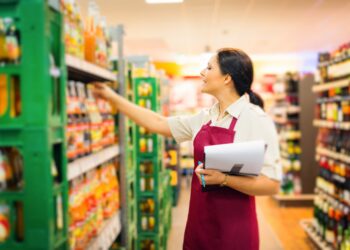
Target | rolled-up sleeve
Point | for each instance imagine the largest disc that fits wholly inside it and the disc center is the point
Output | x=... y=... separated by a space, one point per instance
x=183 y=127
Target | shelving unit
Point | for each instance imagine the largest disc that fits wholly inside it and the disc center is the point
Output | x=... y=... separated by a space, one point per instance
x=38 y=210
x=86 y=72
x=129 y=233
x=292 y=114
x=40 y=138
x=153 y=181
x=332 y=118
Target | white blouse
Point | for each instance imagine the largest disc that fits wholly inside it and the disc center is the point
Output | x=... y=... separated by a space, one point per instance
x=252 y=124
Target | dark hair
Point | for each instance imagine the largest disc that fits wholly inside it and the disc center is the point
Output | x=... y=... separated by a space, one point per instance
x=239 y=66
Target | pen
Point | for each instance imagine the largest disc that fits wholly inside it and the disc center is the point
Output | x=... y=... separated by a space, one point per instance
x=202 y=175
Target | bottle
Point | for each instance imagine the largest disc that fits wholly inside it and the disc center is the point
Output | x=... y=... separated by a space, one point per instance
x=90 y=34
x=325 y=219
x=4 y=222
x=16 y=162
x=3 y=47
x=150 y=145
x=143 y=184
x=143 y=145
x=70 y=134
x=151 y=184
x=3 y=92
x=148 y=104
x=12 y=44
x=151 y=206
x=54 y=171
x=59 y=207
x=149 y=168
x=3 y=169
x=151 y=223
x=101 y=43
x=144 y=223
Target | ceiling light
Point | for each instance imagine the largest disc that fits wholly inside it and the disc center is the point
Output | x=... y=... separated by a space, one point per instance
x=163 y=1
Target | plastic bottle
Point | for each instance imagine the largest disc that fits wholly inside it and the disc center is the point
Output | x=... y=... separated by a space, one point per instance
x=90 y=34
x=3 y=48
x=3 y=94
x=12 y=44
x=4 y=222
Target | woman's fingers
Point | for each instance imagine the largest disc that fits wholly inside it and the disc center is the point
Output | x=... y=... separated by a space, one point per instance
x=199 y=178
x=198 y=173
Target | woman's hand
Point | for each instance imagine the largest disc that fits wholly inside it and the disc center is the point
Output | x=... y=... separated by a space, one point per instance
x=101 y=90
x=211 y=177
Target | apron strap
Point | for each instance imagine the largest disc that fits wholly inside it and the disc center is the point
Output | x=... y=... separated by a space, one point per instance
x=208 y=124
x=233 y=123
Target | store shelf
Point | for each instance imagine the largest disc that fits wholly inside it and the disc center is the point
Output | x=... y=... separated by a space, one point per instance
x=294 y=197
x=330 y=124
x=291 y=200
x=331 y=85
x=332 y=196
x=333 y=99
x=85 y=164
x=308 y=226
x=334 y=155
x=81 y=68
x=107 y=235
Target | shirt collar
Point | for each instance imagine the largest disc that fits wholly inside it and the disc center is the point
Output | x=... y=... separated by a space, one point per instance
x=234 y=109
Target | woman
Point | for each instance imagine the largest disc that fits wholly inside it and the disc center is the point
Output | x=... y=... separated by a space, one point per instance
x=223 y=218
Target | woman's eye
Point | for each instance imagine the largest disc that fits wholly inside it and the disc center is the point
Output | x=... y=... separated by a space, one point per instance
x=208 y=68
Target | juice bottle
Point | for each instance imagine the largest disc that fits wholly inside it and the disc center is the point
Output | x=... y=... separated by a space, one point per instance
x=101 y=43
x=16 y=163
x=15 y=109
x=3 y=48
x=3 y=94
x=90 y=34
x=12 y=44
x=4 y=222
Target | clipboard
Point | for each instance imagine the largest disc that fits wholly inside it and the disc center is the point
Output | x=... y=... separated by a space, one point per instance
x=239 y=159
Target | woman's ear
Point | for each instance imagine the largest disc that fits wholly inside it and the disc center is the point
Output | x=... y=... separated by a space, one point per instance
x=227 y=79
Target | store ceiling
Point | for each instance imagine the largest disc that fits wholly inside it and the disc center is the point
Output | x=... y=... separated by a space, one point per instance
x=257 y=26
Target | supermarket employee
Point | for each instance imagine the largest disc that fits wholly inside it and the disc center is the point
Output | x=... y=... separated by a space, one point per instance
x=225 y=217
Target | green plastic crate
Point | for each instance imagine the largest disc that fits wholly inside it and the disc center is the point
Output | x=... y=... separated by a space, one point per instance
x=39 y=131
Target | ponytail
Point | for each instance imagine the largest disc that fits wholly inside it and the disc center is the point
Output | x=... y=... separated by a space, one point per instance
x=256 y=99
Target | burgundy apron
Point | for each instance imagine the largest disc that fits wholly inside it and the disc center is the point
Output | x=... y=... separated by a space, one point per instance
x=221 y=218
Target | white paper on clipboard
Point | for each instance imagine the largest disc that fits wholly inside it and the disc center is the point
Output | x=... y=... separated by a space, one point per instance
x=240 y=158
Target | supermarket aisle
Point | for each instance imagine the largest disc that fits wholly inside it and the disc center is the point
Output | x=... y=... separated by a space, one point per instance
x=268 y=238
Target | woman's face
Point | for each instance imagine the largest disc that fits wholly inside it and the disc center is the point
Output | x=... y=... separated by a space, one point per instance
x=213 y=79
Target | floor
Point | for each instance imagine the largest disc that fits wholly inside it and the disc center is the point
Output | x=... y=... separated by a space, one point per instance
x=279 y=227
